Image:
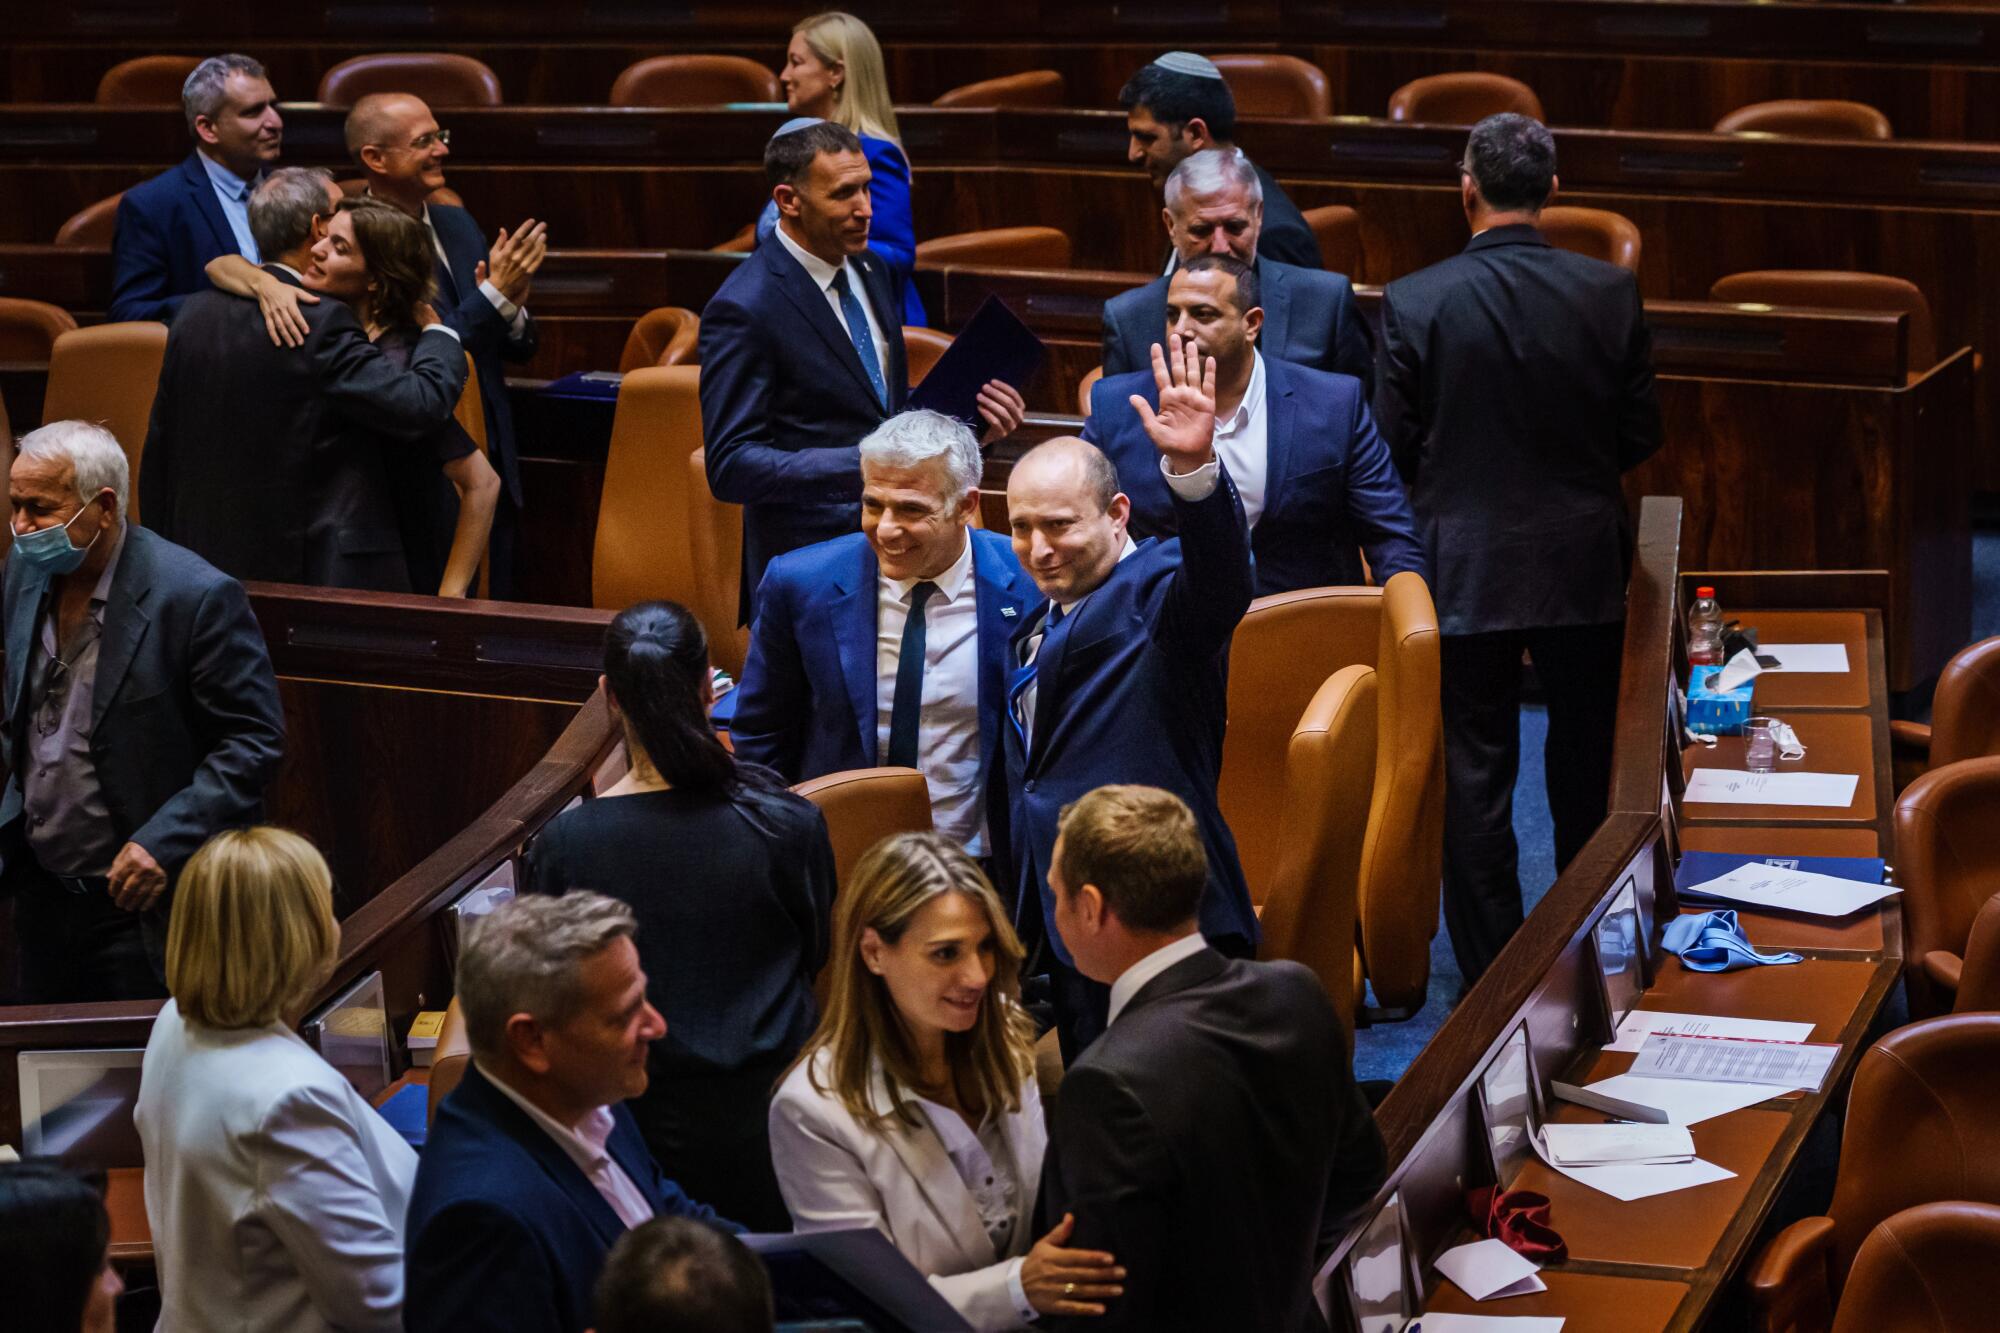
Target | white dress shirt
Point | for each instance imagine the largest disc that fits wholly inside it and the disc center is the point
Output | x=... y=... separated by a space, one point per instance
x=822 y=274
x=1033 y=647
x=516 y=316
x=585 y=1147
x=948 y=724
x=1243 y=442
x=1134 y=978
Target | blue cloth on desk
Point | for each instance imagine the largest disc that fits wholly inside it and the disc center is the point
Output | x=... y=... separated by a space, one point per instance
x=1713 y=942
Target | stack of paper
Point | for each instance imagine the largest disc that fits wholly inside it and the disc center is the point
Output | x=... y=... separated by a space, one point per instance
x=1777 y=1065
x=1792 y=890
x=1626 y=1181
x=1686 y=1102
x=1607 y=1145
x=1488 y=1270
x=1642 y=1023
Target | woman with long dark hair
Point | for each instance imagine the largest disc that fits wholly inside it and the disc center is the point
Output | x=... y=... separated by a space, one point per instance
x=732 y=879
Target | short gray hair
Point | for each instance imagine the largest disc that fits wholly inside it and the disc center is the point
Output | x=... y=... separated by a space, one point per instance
x=919 y=435
x=524 y=958
x=282 y=209
x=1512 y=159
x=1212 y=170
x=93 y=451
x=202 y=94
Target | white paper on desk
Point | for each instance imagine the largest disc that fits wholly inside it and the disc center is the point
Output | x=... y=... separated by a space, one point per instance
x=1759 y=885
x=1487 y=1323
x=1487 y=1270
x=1616 y=1144
x=1641 y=1023
x=1738 y=671
x=1626 y=1182
x=1732 y=786
x=1686 y=1101
x=1796 y=657
x=1772 y=1064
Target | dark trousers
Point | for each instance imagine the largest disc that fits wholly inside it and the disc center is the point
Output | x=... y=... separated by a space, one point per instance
x=1481 y=685
x=78 y=947
x=710 y=1136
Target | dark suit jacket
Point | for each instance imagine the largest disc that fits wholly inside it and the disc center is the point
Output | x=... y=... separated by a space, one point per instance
x=505 y=1234
x=1310 y=319
x=785 y=402
x=169 y=228
x=187 y=728
x=489 y=340
x=1285 y=235
x=1328 y=486
x=1205 y=1139
x=268 y=461
x=806 y=704
x=1132 y=686
x=1517 y=384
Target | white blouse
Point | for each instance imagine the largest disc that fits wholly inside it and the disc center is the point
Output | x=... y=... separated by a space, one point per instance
x=985 y=1165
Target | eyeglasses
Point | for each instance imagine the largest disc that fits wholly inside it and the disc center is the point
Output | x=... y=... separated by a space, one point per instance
x=423 y=143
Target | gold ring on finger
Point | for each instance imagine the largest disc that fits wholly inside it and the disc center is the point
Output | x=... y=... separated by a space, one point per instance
x=1069 y=1289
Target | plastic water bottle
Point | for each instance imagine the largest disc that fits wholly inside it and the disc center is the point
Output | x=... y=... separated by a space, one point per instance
x=1705 y=629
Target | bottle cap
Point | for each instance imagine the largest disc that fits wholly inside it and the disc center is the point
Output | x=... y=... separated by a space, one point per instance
x=1704 y=592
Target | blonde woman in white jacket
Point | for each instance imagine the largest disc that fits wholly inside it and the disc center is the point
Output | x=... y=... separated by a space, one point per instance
x=913 y=1109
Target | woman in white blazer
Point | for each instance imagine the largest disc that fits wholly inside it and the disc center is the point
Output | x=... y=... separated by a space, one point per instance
x=276 y=1194
x=913 y=1109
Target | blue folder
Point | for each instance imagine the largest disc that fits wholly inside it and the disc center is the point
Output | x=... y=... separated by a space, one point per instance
x=1701 y=867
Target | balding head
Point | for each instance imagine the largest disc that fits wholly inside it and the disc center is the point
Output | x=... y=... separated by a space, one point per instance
x=1067 y=517
x=397 y=143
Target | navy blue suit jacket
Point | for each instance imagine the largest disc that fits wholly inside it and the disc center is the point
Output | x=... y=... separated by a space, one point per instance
x=1133 y=686
x=1310 y=319
x=806 y=704
x=504 y=1231
x=168 y=230
x=489 y=340
x=785 y=402
x=1329 y=485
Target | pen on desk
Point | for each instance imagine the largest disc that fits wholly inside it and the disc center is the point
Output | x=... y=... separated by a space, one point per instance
x=1618 y=1106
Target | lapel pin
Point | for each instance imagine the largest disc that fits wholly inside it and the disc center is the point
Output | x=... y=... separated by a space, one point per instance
x=1006 y=613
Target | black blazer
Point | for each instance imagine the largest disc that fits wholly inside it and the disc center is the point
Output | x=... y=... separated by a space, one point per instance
x=267 y=461
x=1310 y=319
x=1208 y=1139
x=489 y=340
x=785 y=402
x=1285 y=235
x=1516 y=385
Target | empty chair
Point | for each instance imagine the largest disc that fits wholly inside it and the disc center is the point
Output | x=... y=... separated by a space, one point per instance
x=439 y=77
x=715 y=541
x=1083 y=388
x=1807 y=118
x=1267 y=84
x=922 y=347
x=1314 y=896
x=1839 y=289
x=662 y=337
x=1035 y=87
x=449 y=1059
x=29 y=329
x=1974 y=979
x=1920 y=1129
x=643 y=516
x=1948 y=862
x=865 y=805
x=1463 y=98
x=695 y=81
x=93 y=224
x=1599 y=233
x=742 y=243
x=1337 y=228
x=1965 y=715
x=145 y=81
x=1000 y=247
x=1928 y=1269
x=107 y=374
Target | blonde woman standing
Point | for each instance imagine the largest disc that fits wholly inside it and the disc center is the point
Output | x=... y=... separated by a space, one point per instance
x=913 y=1108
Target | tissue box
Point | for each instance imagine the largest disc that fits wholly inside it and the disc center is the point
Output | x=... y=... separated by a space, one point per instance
x=1714 y=712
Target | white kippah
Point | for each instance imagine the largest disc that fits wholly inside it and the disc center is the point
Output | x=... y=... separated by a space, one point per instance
x=1187 y=62
x=797 y=123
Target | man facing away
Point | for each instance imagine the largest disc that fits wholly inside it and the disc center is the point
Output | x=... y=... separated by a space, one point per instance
x=1214 y=1134
x=1516 y=387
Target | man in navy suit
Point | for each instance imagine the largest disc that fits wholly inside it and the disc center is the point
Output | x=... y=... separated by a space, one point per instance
x=482 y=290
x=1122 y=676
x=802 y=355
x=1300 y=444
x=1215 y=206
x=534 y=1168
x=171 y=226
x=889 y=646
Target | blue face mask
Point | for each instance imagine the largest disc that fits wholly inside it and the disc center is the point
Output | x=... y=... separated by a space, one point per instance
x=48 y=552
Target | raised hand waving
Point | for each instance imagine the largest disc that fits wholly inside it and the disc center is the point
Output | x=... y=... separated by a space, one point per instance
x=1183 y=429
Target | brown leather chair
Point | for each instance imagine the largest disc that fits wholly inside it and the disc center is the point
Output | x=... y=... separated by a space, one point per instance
x=1267 y=84
x=742 y=243
x=107 y=374
x=865 y=805
x=1000 y=247
x=1083 y=388
x=1599 y=233
x=1313 y=900
x=665 y=336
x=695 y=81
x=451 y=1058
x=145 y=81
x=1035 y=87
x=1840 y=290
x=1807 y=118
x=1463 y=98
x=1965 y=715
x=1928 y=1269
x=1975 y=979
x=1948 y=862
x=921 y=349
x=93 y=224
x=1337 y=228
x=1920 y=1128
x=715 y=539
x=644 y=515
x=29 y=329
x=441 y=78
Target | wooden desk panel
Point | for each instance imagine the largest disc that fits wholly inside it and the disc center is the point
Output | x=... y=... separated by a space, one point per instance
x=1835 y=743
x=1821 y=991
x=1860 y=932
x=131 y=1229
x=1780 y=689
x=1587 y=1302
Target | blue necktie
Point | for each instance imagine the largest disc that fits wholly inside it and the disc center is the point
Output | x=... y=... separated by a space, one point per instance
x=857 y=333
x=908 y=706
x=1713 y=942
x=1024 y=676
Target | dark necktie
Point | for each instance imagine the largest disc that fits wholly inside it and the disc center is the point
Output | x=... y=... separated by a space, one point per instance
x=904 y=713
x=1024 y=675
x=857 y=333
